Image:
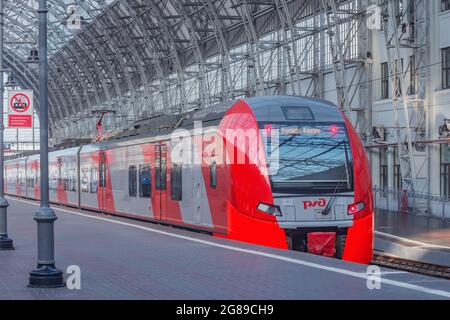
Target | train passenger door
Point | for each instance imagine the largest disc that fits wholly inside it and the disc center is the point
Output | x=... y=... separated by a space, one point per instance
x=102 y=181
x=59 y=180
x=161 y=182
x=201 y=204
x=197 y=189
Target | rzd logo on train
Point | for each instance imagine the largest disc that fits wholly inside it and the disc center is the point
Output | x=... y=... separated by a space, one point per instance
x=321 y=203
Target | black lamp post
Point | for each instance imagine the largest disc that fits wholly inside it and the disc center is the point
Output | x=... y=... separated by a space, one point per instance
x=46 y=275
x=5 y=242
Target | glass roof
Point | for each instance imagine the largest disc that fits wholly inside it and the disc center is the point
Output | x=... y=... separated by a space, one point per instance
x=21 y=22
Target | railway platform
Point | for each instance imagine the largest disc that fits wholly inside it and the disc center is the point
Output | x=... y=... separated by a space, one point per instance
x=413 y=237
x=126 y=259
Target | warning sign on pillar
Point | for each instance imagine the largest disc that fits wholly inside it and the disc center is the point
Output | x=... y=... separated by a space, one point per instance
x=20 y=108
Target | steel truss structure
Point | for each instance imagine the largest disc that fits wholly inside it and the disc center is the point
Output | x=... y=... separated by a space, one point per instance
x=21 y=31
x=406 y=33
x=146 y=57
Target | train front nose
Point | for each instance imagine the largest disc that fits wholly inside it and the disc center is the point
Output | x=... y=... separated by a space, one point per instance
x=316 y=224
x=298 y=211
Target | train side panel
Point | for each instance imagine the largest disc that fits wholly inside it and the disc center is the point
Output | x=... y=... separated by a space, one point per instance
x=63 y=177
x=33 y=178
x=22 y=177
x=360 y=237
x=126 y=165
x=250 y=184
x=11 y=176
x=214 y=178
x=147 y=183
x=89 y=177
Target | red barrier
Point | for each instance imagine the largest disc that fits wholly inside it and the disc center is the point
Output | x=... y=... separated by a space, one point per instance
x=404 y=207
x=322 y=243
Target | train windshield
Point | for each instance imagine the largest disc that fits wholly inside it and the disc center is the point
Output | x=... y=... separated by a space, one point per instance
x=309 y=158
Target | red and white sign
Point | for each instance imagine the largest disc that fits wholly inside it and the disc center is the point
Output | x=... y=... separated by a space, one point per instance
x=20 y=108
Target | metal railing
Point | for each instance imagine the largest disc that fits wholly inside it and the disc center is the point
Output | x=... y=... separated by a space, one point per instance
x=431 y=205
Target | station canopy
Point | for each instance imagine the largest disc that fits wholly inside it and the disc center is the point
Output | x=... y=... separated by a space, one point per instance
x=21 y=35
x=143 y=57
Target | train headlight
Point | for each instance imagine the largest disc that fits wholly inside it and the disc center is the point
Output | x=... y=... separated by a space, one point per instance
x=269 y=209
x=355 y=208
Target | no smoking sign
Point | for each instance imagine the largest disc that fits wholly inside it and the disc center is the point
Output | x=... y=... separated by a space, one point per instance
x=20 y=109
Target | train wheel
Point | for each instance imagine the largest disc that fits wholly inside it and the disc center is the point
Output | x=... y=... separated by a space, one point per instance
x=340 y=245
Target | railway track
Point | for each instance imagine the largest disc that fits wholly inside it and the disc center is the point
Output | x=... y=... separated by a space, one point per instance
x=411 y=266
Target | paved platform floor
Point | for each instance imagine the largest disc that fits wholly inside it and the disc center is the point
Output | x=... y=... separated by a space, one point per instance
x=429 y=230
x=125 y=259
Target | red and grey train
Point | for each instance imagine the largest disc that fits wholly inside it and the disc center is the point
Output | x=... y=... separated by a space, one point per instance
x=277 y=171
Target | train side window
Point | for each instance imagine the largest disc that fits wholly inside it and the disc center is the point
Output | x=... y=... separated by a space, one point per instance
x=132 y=181
x=176 y=182
x=157 y=173
x=73 y=178
x=213 y=175
x=160 y=173
x=145 y=186
x=102 y=171
x=38 y=176
x=94 y=180
x=163 y=173
x=84 y=180
x=66 y=177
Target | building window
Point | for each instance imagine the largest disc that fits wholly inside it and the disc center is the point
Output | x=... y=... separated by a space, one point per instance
x=213 y=175
x=445 y=5
x=145 y=186
x=446 y=68
x=445 y=170
x=176 y=182
x=398 y=182
x=132 y=181
x=384 y=169
x=384 y=81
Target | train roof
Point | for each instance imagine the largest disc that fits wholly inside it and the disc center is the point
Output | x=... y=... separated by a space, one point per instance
x=275 y=108
x=265 y=108
x=270 y=108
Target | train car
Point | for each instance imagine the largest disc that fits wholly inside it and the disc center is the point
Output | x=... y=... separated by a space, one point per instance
x=63 y=177
x=15 y=177
x=284 y=172
x=33 y=177
x=10 y=177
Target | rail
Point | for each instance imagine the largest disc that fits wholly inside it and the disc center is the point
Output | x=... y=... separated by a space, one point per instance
x=422 y=268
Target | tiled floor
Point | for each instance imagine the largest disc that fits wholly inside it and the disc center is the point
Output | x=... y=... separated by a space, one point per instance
x=121 y=261
x=429 y=230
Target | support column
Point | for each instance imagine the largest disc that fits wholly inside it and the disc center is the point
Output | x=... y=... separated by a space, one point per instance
x=46 y=275
x=5 y=242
